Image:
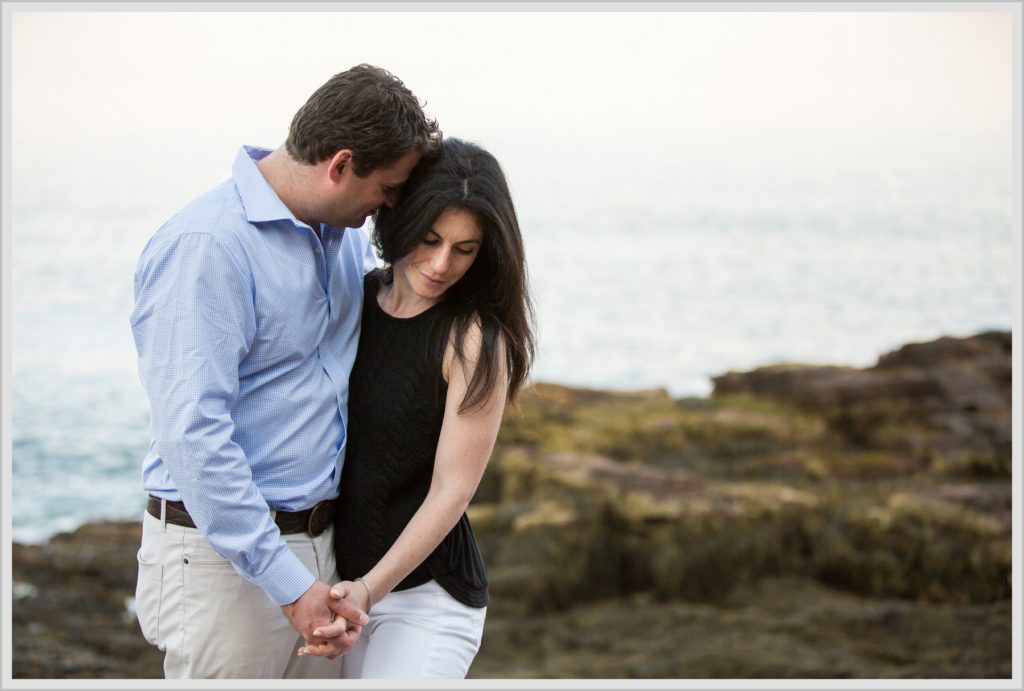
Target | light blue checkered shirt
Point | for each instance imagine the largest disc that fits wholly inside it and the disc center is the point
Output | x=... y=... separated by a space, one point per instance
x=246 y=326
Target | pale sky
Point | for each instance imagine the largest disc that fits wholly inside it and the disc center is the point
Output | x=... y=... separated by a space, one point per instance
x=243 y=74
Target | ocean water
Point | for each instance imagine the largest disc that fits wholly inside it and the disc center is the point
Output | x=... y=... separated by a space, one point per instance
x=652 y=265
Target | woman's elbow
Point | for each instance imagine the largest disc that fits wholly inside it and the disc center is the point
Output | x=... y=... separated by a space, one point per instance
x=455 y=496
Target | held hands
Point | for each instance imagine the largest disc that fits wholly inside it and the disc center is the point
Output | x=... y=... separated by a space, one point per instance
x=349 y=601
x=318 y=611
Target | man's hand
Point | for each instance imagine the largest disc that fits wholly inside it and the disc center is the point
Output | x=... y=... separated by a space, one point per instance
x=346 y=603
x=310 y=614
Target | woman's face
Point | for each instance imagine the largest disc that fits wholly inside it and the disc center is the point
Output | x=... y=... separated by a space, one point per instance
x=443 y=256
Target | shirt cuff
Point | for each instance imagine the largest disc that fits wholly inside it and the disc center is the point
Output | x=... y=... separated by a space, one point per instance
x=286 y=580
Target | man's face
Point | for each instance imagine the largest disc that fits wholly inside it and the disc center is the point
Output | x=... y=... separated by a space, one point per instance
x=356 y=198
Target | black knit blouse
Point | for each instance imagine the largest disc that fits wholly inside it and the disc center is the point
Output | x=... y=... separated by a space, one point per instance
x=396 y=406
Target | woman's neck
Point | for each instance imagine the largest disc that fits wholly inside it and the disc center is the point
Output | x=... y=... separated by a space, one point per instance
x=402 y=302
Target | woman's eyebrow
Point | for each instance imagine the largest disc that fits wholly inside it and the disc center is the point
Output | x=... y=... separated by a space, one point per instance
x=431 y=231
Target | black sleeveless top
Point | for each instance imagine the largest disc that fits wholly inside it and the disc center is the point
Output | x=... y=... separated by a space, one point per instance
x=396 y=406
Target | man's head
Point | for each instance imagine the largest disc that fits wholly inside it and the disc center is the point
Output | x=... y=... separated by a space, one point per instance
x=366 y=110
x=361 y=133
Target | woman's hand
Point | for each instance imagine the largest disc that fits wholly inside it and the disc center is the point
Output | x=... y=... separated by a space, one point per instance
x=349 y=601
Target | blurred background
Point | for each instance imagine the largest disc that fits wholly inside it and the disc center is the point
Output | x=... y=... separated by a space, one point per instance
x=700 y=193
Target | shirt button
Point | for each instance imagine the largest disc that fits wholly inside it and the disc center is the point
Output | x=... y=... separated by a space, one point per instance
x=317 y=250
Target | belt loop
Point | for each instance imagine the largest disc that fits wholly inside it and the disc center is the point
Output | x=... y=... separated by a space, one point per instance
x=163 y=515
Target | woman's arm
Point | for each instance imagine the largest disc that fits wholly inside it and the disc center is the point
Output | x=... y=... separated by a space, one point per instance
x=463 y=449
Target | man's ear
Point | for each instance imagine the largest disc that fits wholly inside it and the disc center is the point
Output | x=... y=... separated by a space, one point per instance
x=339 y=162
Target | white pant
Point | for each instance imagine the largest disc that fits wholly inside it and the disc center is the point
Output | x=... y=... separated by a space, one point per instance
x=419 y=633
x=211 y=622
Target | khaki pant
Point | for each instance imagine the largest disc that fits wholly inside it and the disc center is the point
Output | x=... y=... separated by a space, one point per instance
x=212 y=623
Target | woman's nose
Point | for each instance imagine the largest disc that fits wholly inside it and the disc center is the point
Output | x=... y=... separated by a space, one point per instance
x=439 y=262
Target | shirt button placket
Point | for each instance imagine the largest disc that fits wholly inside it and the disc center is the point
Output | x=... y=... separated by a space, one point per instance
x=321 y=270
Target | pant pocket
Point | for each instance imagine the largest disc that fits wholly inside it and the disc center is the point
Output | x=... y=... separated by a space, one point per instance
x=149 y=596
x=199 y=554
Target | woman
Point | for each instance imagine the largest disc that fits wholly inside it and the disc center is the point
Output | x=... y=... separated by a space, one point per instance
x=446 y=342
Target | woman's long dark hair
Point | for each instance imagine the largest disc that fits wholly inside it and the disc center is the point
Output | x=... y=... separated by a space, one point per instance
x=494 y=290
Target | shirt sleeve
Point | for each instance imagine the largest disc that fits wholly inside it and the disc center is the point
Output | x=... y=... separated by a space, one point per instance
x=369 y=257
x=194 y=322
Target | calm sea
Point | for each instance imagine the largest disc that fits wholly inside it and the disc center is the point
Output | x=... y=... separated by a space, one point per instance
x=657 y=264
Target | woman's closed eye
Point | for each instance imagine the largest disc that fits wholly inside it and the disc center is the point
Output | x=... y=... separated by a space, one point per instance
x=465 y=250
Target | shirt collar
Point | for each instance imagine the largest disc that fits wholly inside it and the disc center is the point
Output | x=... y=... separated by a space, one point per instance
x=259 y=199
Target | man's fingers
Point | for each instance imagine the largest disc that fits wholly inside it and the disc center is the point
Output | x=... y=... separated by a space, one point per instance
x=333 y=648
x=320 y=649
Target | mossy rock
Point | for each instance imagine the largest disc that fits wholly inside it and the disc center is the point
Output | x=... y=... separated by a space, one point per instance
x=554 y=556
x=916 y=547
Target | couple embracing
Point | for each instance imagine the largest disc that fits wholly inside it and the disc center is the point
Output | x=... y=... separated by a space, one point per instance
x=318 y=424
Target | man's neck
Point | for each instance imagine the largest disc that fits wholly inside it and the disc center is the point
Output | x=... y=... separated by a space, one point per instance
x=290 y=180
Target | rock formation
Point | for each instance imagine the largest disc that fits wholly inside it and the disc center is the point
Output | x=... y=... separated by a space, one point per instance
x=800 y=522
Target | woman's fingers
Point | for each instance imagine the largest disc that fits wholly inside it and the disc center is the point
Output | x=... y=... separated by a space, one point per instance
x=341 y=644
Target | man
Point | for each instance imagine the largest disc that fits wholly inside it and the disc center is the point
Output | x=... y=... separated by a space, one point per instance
x=246 y=320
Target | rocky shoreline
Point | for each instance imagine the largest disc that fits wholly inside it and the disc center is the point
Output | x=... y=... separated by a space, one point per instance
x=800 y=522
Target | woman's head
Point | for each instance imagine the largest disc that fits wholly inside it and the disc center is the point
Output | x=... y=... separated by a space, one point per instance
x=460 y=186
x=455 y=222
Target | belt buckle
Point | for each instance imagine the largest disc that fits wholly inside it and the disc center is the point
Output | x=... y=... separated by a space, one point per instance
x=320 y=517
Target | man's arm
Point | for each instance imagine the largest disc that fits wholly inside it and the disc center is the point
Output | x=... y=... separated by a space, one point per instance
x=193 y=323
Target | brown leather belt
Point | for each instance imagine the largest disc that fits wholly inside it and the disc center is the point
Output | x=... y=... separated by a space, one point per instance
x=312 y=521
